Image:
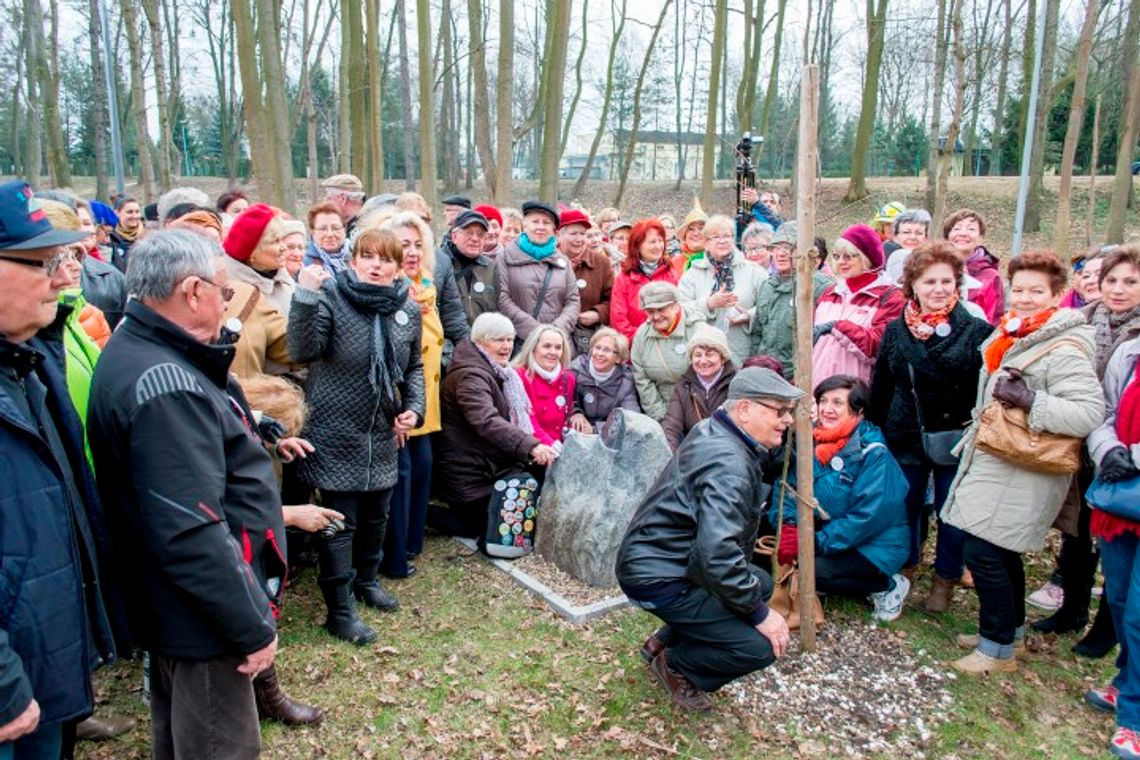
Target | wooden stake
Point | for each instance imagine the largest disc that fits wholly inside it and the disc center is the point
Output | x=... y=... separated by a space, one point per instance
x=807 y=157
x=1092 y=175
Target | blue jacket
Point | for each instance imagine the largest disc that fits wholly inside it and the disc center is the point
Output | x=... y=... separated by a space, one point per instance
x=865 y=499
x=54 y=627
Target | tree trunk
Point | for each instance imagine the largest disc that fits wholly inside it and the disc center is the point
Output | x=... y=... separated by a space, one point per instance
x=1127 y=127
x=746 y=87
x=708 y=157
x=174 y=56
x=773 y=72
x=158 y=60
x=876 y=23
x=1031 y=33
x=406 y=97
x=1073 y=131
x=629 y=149
x=33 y=42
x=607 y=99
x=47 y=52
x=1093 y=161
x=941 y=43
x=939 y=210
x=277 y=107
x=555 y=78
x=375 y=98
x=481 y=95
x=449 y=131
x=504 y=111
x=138 y=100
x=997 y=136
x=1044 y=101
x=256 y=126
x=99 y=100
x=344 y=92
x=358 y=106
x=577 y=78
x=426 y=76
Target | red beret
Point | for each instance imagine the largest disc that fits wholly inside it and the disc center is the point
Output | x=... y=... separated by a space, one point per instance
x=246 y=231
x=867 y=241
x=573 y=216
x=490 y=212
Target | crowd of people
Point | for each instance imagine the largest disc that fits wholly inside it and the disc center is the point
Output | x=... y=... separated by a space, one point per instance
x=218 y=385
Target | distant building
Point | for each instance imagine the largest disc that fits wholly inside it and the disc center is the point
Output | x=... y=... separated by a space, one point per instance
x=658 y=155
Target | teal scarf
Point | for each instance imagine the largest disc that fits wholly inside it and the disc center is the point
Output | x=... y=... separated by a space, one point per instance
x=536 y=252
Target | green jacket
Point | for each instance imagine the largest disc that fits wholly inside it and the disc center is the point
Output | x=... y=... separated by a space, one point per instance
x=774 y=326
x=81 y=355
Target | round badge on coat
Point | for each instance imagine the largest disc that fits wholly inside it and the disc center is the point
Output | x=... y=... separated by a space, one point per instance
x=581 y=284
x=837 y=464
x=589 y=398
x=512 y=493
x=560 y=263
x=1013 y=325
x=401 y=318
x=942 y=330
x=680 y=348
x=479 y=287
x=500 y=485
x=560 y=400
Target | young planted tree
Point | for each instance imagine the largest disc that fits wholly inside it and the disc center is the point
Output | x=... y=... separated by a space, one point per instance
x=1073 y=131
x=607 y=97
x=876 y=23
x=708 y=165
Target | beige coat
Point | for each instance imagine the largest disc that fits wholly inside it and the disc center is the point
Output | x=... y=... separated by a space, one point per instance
x=278 y=291
x=696 y=286
x=262 y=343
x=659 y=362
x=518 y=280
x=1001 y=502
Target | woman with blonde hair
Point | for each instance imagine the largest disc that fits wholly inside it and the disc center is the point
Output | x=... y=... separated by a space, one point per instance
x=543 y=364
x=604 y=381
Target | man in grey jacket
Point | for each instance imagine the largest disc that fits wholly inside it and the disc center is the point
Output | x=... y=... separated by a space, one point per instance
x=685 y=556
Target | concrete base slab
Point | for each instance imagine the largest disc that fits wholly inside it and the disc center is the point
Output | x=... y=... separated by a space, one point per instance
x=573 y=613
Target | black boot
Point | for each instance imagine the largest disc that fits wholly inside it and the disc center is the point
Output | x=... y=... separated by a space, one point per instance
x=274 y=704
x=1062 y=621
x=1101 y=638
x=375 y=596
x=343 y=621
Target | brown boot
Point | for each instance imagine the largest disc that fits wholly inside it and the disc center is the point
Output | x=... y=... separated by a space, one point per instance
x=681 y=689
x=939 y=599
x=909 y=573
x=274 y=704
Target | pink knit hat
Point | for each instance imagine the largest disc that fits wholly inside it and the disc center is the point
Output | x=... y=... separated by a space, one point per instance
x=864 y=240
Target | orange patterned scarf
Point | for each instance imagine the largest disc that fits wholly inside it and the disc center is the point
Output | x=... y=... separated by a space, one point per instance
x=830 y=441
x=1006 y=338
x=922 y=326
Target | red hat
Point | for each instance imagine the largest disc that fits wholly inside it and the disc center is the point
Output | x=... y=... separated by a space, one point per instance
x=573 y=216
x=246 y=231
x=490 y=212
x=866 y=241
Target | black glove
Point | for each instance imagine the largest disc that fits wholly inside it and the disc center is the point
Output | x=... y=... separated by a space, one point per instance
x=270 y=430
x=1012 y=390
x=1117 y=466
x=820 y=330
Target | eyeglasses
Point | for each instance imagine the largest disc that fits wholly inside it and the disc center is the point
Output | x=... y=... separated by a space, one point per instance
x=844 y=256
x=781 y=411
x=329 y=228
x=226 y=291
x=50 y=266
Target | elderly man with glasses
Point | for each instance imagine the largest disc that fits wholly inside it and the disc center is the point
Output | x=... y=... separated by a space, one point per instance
x=346 y=192
x=685 y=556
x=192 y=500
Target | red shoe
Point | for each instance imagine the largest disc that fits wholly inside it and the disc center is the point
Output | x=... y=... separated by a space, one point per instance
x=1103 y=698
x=1125 y=743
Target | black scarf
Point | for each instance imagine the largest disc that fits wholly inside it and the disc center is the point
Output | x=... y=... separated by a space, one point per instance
x=464 y=266
x=380 y=301
x=722 y=273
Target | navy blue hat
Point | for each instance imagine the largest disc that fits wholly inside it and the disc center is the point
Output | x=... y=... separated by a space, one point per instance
x=467 y=218
x=104 y=214
x=23 y=224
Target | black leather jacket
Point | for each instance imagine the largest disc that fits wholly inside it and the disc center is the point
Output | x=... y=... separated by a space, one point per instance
x=698 y=524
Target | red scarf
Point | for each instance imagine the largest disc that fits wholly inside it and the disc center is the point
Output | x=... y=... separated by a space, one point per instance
x=672 y=325
x=1103 y=524
x=830 y=441
x=995 y=352
x=921 y=325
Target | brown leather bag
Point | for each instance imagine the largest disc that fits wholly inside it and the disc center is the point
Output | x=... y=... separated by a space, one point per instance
x=786 y=599
x=1004 y=433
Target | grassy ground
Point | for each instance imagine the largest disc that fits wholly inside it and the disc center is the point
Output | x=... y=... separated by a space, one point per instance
x=473 y=666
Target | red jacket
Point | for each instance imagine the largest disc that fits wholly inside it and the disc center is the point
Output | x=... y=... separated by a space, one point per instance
x=990 y=296
x=625 y=308
x=547 y=415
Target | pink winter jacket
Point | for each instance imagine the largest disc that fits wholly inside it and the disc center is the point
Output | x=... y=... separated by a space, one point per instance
x=990 y=296
x=548 y=416
x=860 y=319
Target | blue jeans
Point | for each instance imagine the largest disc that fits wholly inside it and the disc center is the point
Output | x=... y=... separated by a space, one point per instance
x=408 y=513
x=45 y=743
x=948 y=548
x=1119 y=558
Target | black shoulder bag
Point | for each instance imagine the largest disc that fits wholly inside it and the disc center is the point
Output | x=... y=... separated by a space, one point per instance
x=937 y=446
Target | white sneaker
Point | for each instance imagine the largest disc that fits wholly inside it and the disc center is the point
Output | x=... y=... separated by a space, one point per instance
x=889 y=603
x=1049 y=597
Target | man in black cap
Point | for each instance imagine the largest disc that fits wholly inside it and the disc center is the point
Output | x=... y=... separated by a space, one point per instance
x=685 y=556
x=54 y=624
x=461 y=251
x=453 y=206
x=536 y=283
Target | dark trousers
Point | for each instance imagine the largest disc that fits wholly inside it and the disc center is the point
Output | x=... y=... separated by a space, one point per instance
x=707 y=643
x=202 y=709
x=1122 y=592
x=948 y=561
x=999 y=579
x=45 y=743
x=467 y=519
x=408 y=513
x=360 y=545
x=1079 y=556
x=849 y=573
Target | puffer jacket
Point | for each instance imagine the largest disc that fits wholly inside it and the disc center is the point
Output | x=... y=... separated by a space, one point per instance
x=945 y=372
x=625 y=306
x=659 y=361
x=104 y=285
x=774 y=326
x=698 y=283
x=697 y=525
x=351 y=431
x=691 y=403
x=594 y=400
x=1001 y=502
x=863 y=492
x=518 y=280
x=82 y=353
x=861 y=317
x=989 y=293
x=478 y=441
x=1120 y=372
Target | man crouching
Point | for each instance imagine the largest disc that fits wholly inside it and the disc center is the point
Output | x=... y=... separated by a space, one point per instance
x=685 y=557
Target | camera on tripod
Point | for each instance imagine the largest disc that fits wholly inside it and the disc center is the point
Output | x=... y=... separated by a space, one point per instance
x=745 y=178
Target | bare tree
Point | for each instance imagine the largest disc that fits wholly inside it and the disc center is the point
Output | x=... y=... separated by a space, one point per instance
x=876 y=22
x=999 y=105
x=607 y=98
x=746 y=87
x=941 y=44
x=375 y=97
x=33 y=44
x=1073 y=131
x=1127 y=129
x=554 y=77
x=577 y=77
x=773 y=71
x=162 y=102
x=720 y=24
x=98 y=100
x=1044 y=102
x=939 y=209
x=138 y=99
x=481 y=99
x=427 y=132
x=504 y=114
x=632 y=143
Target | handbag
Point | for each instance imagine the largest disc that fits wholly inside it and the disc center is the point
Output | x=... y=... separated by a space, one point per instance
x=511 y=516
x=1004 y=433
x=937 y=446
x=1121 y=499
x=786 y=599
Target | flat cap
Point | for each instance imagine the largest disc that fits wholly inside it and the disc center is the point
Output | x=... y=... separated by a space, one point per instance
x=789 y=233
x=658 y=294
x=530 y=207
x=620 y=225
x=757 y=382
x=457 y=200
x=467 y=218
x=348 y=182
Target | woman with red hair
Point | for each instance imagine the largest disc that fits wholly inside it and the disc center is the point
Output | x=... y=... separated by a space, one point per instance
x=645 y=262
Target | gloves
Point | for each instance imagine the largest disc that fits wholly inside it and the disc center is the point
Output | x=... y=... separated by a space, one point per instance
x=270 y=430
x=789 y=546
x=1012 y=390
x=1117 y=465
x=820 y=330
